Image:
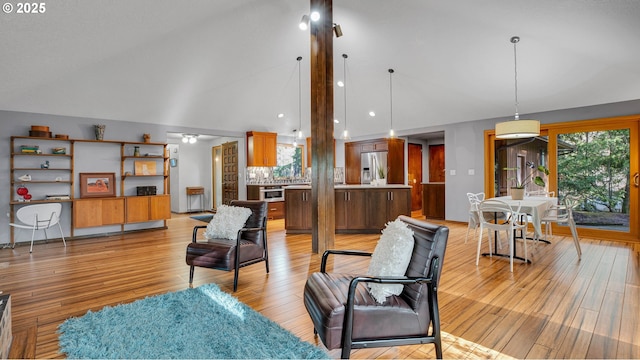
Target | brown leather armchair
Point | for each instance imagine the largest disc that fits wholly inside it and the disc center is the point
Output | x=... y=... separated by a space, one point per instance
x=346 y=316
x=248 y=248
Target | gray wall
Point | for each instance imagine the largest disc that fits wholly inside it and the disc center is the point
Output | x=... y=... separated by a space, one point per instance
x=464 y=149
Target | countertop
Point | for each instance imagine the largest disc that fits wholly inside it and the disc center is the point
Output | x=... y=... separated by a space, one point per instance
x=355 y=186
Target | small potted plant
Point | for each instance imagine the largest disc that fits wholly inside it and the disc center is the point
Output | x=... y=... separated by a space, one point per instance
x=517 y=191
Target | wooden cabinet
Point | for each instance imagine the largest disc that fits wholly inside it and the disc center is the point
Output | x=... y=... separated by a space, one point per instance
x=357 y=210
x=395 y=159
x=98 y=212
x=297 y=209
x=275 y=210
x=147 y=208
x=353 y=168
x=261 y=148
x=433 y=201
x=350 y=208
x=384 y=205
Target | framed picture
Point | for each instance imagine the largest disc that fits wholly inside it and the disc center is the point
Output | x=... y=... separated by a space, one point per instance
x=97 y=185
x=145 y=167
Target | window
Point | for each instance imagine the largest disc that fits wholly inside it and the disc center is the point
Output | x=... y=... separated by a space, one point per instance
x=290 y=162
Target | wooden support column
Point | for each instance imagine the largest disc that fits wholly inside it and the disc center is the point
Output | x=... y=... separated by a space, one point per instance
x=323 y=200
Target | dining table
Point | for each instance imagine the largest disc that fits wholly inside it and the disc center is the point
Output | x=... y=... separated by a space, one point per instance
x=535 y=206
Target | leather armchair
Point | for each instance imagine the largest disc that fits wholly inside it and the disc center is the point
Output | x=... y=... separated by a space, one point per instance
x=248 y=248
x=346 y=316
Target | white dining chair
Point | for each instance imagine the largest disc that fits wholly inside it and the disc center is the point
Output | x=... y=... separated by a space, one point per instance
x=39 y=217
x=494 y=208
x=562 y=214
x=474 y=221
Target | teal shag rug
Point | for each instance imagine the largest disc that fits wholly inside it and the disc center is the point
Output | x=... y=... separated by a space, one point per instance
x=200 y=323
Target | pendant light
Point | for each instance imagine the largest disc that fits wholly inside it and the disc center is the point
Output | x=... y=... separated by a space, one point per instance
x=345 y=133
x=299 y=58
x=516 y=128
x=391 y=132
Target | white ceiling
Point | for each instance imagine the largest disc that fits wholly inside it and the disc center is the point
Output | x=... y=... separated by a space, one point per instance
x=230 y=65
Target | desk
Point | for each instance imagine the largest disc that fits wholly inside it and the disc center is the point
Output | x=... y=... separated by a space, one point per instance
x=195 y=191
x=534 y=206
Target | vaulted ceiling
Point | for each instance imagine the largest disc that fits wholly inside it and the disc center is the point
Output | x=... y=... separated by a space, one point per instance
x=230 y=65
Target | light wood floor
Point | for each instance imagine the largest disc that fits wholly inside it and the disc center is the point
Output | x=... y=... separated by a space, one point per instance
x=556 y=307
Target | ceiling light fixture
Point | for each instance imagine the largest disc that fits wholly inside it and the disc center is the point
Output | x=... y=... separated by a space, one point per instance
x=337 y=30
x=345 y=133
x=300 y=135
x=516 y=128
x=190 y=138
x=304 y=22
x=391 y=132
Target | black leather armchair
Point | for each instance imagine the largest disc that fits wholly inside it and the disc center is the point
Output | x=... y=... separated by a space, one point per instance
x=248 y=248
x=346 y=316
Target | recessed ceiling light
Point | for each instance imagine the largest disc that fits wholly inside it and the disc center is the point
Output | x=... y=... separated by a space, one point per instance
x=372 y=113
x=340 y=83
x=336 y=121
x=280 y=116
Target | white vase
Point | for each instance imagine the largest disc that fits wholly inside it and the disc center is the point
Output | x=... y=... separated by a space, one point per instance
x=517 y=193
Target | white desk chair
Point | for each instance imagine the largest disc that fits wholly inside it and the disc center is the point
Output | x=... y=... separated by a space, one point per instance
x=491 y=208
x=39 y=217
x=562 y=214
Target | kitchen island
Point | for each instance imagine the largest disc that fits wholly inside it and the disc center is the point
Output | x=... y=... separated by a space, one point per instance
x=358 y=208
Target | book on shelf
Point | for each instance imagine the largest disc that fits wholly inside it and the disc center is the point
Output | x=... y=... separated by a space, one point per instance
x=58 y=197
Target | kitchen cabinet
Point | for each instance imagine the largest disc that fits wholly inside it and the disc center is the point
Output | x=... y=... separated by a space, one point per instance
x=395 y=159
x=275 y=210
x=297 y=210
x=350 y=208
x=433 y=200
x=261 y=148
x=98 y=212
x=357 y=209
x=384 y=205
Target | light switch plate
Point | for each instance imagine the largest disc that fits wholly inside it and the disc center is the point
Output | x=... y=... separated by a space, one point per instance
x=472 y=171
x=452 y=172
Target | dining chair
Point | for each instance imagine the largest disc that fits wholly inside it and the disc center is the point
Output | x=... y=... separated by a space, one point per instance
x=491 y=209
x=39 y=217
x=562 y=214
x=474 y=221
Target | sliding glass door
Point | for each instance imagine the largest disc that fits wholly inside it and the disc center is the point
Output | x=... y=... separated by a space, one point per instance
x=595 y=161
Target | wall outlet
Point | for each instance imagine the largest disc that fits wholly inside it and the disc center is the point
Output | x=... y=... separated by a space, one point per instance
x=472 y=172
x=452 y=172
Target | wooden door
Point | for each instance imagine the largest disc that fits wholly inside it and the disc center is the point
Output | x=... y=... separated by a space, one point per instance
x=415 y=175
x=229 y=172
x=395 y=161
x=436 y=163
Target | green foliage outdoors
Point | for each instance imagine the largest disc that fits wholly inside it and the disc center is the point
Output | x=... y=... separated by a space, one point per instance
x=597 y=171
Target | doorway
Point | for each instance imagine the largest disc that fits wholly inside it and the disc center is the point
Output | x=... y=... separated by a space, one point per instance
x=216 y=176
x=415 y=175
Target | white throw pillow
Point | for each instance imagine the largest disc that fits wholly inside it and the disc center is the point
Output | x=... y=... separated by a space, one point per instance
x=390 y=258
x=226 y=222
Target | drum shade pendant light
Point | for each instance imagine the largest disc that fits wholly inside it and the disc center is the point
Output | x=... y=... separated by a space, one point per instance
x=516 y=128
x=300 y=135
x=392 y=134
x=345 y=133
